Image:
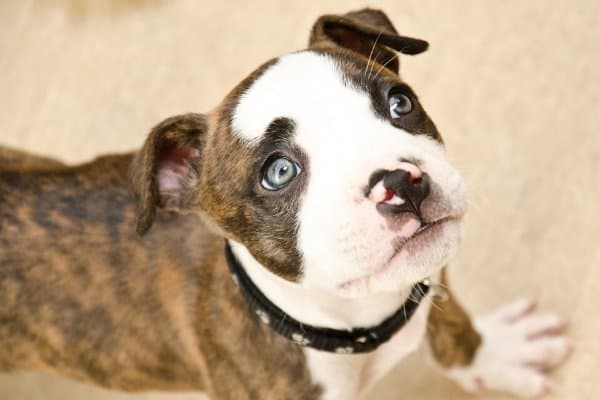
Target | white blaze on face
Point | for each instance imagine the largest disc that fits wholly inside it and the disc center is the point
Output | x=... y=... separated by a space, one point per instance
x=341 y=235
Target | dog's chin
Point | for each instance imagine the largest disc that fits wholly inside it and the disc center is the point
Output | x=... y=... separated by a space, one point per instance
x=416 y=258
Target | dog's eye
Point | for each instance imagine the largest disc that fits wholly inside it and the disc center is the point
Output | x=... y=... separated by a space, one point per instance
x=400 y=105
x=279 y=172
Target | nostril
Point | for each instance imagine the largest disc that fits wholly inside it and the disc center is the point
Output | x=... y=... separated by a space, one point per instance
x=414 y=172
x=400 y=190
x=376 y=177
x=389 y=194
x=415 y=180
x=410 y=188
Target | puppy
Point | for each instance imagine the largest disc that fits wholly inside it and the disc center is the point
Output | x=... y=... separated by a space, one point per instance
x=288 y=244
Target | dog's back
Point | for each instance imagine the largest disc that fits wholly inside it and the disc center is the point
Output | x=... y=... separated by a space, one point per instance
x=11 y=159
x=78 y=287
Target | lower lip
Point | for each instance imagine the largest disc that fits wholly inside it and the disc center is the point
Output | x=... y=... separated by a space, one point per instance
x=423 y=234
x=411 y=245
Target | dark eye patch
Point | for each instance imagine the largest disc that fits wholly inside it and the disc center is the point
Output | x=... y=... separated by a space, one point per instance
x=269 y=218
x=280 y=130
x=278 y=140
x=380 y=92
x=416 y=122
x=377 y=84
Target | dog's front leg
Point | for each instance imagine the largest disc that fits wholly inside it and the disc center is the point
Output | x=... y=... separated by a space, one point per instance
x=507 y=350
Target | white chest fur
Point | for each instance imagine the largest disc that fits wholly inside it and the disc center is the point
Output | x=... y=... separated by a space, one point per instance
x=342 y=376
x=345 y=377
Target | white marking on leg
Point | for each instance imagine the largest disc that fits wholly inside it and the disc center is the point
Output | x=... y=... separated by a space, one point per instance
x=518 y=347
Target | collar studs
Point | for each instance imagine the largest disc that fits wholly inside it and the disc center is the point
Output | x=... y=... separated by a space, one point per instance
x=340 y=341
x=362 y=339
x=299 y=339
x=264 y=317
x=344 y=350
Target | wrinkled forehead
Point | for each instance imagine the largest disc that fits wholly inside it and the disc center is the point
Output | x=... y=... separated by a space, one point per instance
x=308 y=87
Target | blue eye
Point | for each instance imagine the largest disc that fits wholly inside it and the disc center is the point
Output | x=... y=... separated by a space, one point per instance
x=279 y=172
x=400 y=105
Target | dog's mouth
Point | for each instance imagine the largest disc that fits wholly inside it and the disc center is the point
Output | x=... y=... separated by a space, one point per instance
x=424 y=229
x=422 y=237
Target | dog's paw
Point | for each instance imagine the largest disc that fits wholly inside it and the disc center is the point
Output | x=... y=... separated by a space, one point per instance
x=518 y=346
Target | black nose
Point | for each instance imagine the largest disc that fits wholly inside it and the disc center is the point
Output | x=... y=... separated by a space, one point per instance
x=412 y=189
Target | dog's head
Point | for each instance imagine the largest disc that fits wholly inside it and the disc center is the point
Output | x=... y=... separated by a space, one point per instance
x=322 y=164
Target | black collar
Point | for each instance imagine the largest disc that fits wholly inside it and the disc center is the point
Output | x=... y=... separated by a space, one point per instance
x=357 y=340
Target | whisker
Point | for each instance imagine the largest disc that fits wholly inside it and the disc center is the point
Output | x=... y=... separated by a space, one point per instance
x=386 y=63
x=442 y=285
x=436 y=306
x=373 y=63
x=368 y=67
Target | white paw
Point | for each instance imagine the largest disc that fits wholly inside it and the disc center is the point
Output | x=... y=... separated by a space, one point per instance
x=518 y=346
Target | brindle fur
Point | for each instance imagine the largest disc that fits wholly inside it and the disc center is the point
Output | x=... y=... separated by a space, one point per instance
x=84 y=296
x=451 y=335
x=11 y=159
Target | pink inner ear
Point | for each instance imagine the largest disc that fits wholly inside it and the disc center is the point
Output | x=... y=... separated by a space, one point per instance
x=173 y=167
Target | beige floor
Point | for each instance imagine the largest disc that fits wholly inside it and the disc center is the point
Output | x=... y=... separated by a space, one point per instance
x=513 y=85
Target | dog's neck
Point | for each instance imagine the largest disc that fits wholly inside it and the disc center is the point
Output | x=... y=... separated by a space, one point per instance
x=315 y=307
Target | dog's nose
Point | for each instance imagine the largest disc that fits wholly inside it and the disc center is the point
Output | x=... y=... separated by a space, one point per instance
x=400 y=190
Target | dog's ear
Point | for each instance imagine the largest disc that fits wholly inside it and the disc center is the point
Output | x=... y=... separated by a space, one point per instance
x=368 y=32
x=167 y=166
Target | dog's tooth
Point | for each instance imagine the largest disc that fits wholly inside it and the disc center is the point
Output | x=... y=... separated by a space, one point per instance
x=395 y=201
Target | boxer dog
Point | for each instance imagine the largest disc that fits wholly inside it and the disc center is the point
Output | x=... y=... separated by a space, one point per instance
x=288 y=244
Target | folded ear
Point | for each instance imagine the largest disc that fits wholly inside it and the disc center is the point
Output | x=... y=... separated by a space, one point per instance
x=167 y=166
x=368 y=32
